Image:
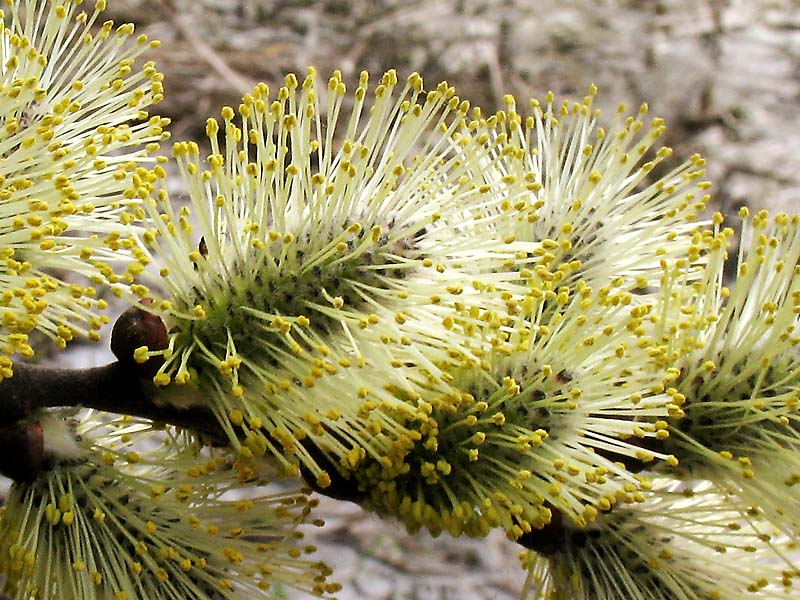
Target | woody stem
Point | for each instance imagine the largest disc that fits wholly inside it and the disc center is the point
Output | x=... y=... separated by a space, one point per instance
x=115 y=388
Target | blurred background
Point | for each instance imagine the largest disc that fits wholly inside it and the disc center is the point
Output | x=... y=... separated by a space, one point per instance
x=724 y=73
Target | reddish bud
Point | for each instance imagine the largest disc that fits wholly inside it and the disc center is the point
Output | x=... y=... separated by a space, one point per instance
x=135 y=328
x=21 y=451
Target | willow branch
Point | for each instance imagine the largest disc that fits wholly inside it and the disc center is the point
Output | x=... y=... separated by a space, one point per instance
x=116 y=388
x=123 y=387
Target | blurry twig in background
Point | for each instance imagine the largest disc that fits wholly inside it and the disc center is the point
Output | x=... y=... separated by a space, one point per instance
x=183 y=22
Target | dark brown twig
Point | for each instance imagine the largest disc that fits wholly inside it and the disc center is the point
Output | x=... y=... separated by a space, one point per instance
x=116 y=388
